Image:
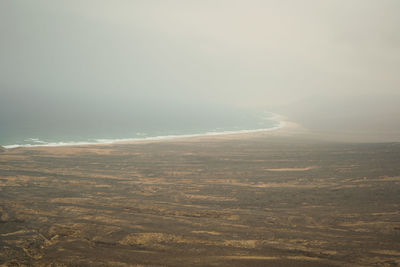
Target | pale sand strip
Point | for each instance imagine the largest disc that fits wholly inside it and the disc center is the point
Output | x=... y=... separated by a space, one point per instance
x=291 y=169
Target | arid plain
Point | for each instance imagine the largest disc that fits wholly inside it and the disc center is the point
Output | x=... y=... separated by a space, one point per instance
x=244 y=200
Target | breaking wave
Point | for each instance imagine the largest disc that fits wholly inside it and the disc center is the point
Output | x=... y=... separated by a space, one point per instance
x=36 y=142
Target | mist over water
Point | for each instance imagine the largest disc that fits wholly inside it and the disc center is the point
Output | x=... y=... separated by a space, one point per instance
x=79 y=125
x=82 y=70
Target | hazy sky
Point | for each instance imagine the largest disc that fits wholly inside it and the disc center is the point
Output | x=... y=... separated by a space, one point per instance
x=285 y=55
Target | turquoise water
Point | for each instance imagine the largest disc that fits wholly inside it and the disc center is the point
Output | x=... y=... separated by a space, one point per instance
x=108 y=127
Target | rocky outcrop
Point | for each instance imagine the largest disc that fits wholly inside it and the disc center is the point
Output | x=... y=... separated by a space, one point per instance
x=2 y=149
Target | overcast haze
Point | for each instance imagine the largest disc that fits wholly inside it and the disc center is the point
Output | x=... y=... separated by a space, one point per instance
x=326 y=64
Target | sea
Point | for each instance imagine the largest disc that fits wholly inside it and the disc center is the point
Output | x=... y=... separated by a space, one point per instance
x=80 y=129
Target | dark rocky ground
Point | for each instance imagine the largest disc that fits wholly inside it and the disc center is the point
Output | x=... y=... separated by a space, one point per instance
x=216 y=201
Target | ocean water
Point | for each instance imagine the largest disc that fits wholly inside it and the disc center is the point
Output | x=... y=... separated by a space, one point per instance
x=105 y=128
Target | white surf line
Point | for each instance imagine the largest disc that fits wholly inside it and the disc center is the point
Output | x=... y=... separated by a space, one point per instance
x=280 y=119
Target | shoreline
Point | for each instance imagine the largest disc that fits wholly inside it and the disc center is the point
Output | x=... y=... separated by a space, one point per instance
x=284 y=126
x=235 y=194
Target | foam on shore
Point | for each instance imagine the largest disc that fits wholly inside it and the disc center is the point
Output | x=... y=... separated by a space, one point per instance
x=39 y=143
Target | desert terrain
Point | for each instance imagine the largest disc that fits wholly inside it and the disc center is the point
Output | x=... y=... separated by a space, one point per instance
x=252 y=200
